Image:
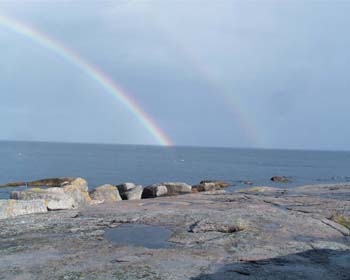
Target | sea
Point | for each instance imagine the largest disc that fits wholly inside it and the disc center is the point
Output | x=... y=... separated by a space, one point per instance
x=114 y=164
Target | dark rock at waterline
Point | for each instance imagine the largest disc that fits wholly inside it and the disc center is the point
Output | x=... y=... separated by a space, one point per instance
x=166 y=189
x=220 y=184
x=13 y=184
x=205 y=186
x=280 y=179
x=51 y=182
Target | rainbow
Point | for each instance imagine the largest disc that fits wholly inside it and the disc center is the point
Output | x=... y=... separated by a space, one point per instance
x=92 y=72
x=252 y=132
x=240 y=116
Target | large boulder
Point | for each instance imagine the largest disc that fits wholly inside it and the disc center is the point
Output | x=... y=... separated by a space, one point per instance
x=134 y=194
x=175 y=188
x=205 y=186
x=12 y=208
x=124 y=188
x=106 y=193
x=154 y=191
x=78 y=190
x=54 y=198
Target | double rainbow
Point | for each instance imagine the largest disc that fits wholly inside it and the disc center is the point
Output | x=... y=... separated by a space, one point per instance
x=92 y=72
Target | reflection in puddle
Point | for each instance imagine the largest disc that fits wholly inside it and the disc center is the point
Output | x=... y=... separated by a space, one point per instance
x=153 y=237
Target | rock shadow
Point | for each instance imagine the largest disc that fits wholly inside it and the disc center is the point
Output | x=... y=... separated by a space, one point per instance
x=313 y=264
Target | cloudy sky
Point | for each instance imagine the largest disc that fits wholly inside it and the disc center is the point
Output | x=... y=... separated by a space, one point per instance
x=270 y=74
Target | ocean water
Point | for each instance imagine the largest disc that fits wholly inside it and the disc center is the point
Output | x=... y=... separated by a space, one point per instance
x=114 y=164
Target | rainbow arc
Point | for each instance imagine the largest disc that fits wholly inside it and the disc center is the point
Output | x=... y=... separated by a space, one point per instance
x=92 y=72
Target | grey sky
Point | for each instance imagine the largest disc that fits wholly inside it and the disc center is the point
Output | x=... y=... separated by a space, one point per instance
x=271 y=74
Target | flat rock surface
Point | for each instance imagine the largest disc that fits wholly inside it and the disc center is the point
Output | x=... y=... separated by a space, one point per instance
x=251 y=234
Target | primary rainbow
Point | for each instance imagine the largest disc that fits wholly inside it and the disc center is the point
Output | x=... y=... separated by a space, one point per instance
x=94 y=73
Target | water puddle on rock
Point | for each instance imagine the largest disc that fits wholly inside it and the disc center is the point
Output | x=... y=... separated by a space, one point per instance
x=153 y=237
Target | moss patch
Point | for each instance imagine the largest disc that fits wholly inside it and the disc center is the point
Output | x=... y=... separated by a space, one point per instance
x=342 y=220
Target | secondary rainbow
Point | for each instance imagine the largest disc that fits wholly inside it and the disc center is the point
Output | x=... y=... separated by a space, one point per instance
x=93 y=72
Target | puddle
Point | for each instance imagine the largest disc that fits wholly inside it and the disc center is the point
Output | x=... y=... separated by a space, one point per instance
x=153 y=237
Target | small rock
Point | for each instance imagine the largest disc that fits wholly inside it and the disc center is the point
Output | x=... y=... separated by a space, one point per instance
x=246 y=182
x=12 y=208
x=105 y=193
x=135 y=193
x=280 y=179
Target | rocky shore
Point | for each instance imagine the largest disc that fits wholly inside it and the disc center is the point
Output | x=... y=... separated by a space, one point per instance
x=254 y=233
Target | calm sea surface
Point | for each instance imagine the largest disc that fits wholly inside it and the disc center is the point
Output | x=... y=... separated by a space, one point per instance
x=101 y=164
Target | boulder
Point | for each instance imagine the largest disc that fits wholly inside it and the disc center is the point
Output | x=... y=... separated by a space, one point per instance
x=205 y=186
x=12 y=208
x=125 y=187
x=280 y=179
x=134 y=194
x=78 y=190
x=54 y=198
x=175 y=188
x=105 y=193
x=154 y=191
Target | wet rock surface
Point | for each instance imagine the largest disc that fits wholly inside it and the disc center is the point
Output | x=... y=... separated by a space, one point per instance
x=152 y=237
x=265 y=233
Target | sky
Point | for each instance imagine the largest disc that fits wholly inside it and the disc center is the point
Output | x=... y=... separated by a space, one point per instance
x=262 y=74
